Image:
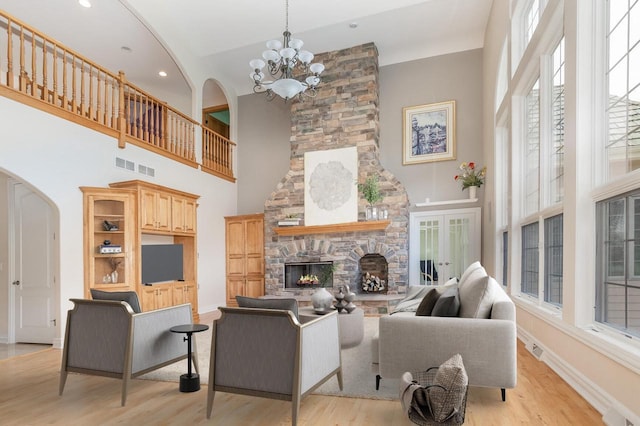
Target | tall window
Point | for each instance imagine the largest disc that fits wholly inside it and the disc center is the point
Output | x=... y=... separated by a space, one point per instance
x=556 y=154
x=623 y=77
x=532 y=151
x=531 y=20
x=530 y=267
x=553 y=260
x=618 y=284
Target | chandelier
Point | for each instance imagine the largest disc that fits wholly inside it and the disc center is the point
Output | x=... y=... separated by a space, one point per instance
x=283 y=60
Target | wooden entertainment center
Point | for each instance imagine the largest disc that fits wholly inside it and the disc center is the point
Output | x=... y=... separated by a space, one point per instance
x=126 y=215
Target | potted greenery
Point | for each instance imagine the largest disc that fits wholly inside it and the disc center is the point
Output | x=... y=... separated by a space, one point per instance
x=371 y=192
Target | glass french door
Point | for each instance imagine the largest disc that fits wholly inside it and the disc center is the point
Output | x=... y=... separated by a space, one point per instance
x=442 y=244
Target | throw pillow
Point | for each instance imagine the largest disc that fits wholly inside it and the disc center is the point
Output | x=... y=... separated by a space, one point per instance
x=428 y=302
x=476 y=298
x=473 y=272
x=283 y=304
x=131 y=297
x=415 y=294
x=470 y=269
x=449 y=389
x=448 y=304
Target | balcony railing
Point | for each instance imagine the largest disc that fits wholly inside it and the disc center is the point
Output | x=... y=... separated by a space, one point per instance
x=39 y=71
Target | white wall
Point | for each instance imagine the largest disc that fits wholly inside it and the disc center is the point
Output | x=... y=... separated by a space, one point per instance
x=56 y=157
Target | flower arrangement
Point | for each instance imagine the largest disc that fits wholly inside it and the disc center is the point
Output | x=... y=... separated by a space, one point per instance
x=470 y=176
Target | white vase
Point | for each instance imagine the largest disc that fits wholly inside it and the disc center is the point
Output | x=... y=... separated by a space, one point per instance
x=322 y=300
x=473 y=192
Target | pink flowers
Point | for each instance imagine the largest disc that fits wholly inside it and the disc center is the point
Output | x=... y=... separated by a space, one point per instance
x=469 y=176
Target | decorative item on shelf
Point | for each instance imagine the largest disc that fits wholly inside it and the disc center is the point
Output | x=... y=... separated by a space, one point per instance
x=372 y=283
x=322 y=301
x=109 y=226
x=290 y=220
x=371 y=192
x=115 y=263
x=285 y=62
x=471 y=178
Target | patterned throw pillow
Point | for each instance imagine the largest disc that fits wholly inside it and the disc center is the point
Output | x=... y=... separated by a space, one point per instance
x=449 y=390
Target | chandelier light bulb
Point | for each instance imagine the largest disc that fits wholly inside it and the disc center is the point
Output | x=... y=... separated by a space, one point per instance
x=256 y=64
x=316 y=68
x=295 y=43
x=274 y=44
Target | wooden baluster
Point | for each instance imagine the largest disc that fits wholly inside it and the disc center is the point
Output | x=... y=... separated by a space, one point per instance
x=114 y=123
x=65 y=100
x=83 y=101
x=154 y=123
x=74 y=83
x=123 y=117
x=54 y=98
x=99 y=117
x=9 y=54
x=105 y=113
x=23 y=77
x=34 y=74
x=91 y=100
x=45 y=83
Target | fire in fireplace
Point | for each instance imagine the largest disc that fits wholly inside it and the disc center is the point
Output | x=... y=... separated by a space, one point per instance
x=309 y=275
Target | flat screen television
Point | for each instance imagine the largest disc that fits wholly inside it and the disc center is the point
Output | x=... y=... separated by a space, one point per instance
x=162 y=262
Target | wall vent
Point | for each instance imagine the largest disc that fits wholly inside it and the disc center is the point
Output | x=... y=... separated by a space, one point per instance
x=536 y=351
x=125 y=164
x=145 y=170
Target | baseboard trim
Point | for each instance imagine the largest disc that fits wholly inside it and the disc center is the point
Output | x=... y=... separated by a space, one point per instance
x=613 y=412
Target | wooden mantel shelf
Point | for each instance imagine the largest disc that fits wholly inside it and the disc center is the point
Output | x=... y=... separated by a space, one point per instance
x=371 y=225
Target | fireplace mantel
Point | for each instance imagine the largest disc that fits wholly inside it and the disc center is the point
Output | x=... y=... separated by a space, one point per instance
x=370 y=225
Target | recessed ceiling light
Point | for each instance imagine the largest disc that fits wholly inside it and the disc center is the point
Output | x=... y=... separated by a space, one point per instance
x=162 y=74
x=353 y=25
x=84 y=3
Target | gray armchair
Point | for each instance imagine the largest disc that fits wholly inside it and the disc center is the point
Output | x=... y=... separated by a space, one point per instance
x=105 y=338
x=268 y=353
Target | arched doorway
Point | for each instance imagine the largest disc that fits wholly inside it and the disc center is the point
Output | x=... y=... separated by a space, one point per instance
x=29 y=224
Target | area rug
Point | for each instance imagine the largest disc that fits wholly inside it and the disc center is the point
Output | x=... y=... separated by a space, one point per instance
x=358 y=379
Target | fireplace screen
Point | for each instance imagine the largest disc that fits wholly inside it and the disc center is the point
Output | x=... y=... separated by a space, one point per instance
x=308 y=275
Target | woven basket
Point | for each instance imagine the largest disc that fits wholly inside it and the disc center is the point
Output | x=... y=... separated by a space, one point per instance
x=424 y=379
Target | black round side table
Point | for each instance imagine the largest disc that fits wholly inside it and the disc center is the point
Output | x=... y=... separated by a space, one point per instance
x=189 y=382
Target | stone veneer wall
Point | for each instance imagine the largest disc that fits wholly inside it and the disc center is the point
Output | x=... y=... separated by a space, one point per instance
x=344 y=114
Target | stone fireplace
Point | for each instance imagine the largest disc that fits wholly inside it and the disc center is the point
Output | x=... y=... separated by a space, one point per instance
x=344 y=114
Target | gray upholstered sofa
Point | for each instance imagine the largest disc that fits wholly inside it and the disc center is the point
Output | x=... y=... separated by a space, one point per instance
x=106 y=338
x=484 y=333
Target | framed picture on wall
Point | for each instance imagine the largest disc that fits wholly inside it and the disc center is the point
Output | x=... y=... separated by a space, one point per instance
x=429 y=133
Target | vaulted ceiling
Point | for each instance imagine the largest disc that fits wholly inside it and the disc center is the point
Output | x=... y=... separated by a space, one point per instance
x=132 y=35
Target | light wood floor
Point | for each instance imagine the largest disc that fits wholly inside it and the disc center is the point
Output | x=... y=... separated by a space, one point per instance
x=29 y=395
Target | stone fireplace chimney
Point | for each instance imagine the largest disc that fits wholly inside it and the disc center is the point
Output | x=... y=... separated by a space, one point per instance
x=343 y=114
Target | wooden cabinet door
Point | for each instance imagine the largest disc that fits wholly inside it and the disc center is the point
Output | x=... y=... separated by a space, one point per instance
x=190 y=218
x=254 y=287
x=164 y=296
x=235 y=235
x=148 y=298
x=191 y=296
x=148 y=209
x=183 y=215
x=179 y=295
x=163 y=211
x=235 y=287
x=254 y=247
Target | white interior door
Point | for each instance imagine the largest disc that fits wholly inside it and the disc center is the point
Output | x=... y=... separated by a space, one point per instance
x=33 y=272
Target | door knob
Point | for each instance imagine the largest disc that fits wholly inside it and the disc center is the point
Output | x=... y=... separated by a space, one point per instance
x=16 y=282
